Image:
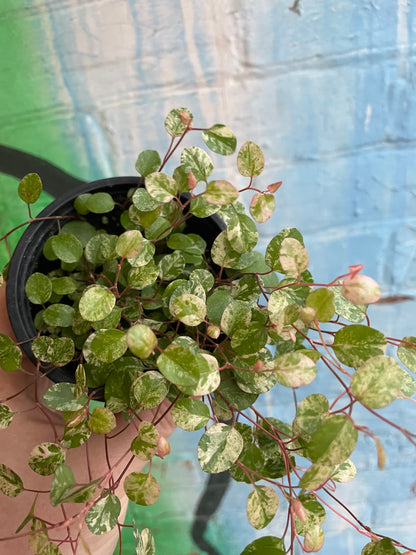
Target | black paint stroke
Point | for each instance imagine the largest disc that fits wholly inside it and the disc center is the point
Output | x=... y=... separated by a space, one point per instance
x=210 y=500
x=19 y=163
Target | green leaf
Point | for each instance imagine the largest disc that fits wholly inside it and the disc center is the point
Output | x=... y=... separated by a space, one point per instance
x=148 y=162
x=190 y=414
x=251 y=339
x=314 y=539
x=96 y=303
x=407 y=353
x=262 y=505
x=76 y=435
x=315 y=476
x=219 y=448
x=150 y=389
x=346 y=309
x=314 y=514
x=201 y=208
x=142 y=489
x=119 y=382
x=59 y=351
x=100 y=248
x=207 y=382
x=197 y=161
x=161 y=187
x=129 y=243
x=103 y=515
x=272 y=254
x=268 y=545
x=60 y=396
x=334 y=441
x=262 y=206
x=221 y=192
x=102 y=420
x=66 y=247
x=173 y=122
x=189 y=309
x=62 y=484
x=30 y=188
x=109 y=345
x=39 y=541
x=293 y=257
x=141 y=340
x=145 y=542
x=6 y=416
x=63 y=285
x=58 y=314
x=181 y=366
x=377 y=382
x=231 y=393
x=242 y=233
x=216 y=304
x=202 y=277
x=279 y=430
x=144 y=445
x=310 y=414
x=382 y=547
x=10 y=354
x=80 y=381
x=237 y=314
x=10 y=483
x=38 y=288
x=250 y=160
x=46 y=457
x=223 y=254
x=143 y=276
x=220 y=139
x=83 y=494
x=344 y=472
x=171 y=266
x=143 y=201
x=82 y=230
x=355 y=344
x=144 y=256
x=100 y=203
x=80 y=203
x=322 y=301
x=295 y=369
x=253 y=459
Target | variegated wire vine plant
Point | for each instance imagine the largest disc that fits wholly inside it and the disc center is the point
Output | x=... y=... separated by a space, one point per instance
x=149 y=314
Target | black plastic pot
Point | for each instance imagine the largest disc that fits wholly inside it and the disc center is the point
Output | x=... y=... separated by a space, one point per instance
x=27 y=257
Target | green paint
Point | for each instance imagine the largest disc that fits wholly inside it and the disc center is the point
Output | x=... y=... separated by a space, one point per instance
x=170 y=519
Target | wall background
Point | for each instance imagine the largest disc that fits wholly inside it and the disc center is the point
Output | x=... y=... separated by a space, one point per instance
x=326 y=87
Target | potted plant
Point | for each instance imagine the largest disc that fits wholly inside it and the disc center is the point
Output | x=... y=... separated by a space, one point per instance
x=148 y=294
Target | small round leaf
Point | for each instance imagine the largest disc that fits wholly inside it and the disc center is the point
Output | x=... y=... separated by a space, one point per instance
x=45 y=458
x=96 y=303
x=109 y=345
x=250 y=160
x=67 y=247
x=142 y=489
x=100 y=203
x=190 y=414
x=38 y=288
x=30 y=188
x=103 y=515
x=102 y=420
x=219 y=448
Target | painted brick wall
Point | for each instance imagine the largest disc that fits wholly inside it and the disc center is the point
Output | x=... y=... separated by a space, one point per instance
x=329 y=92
